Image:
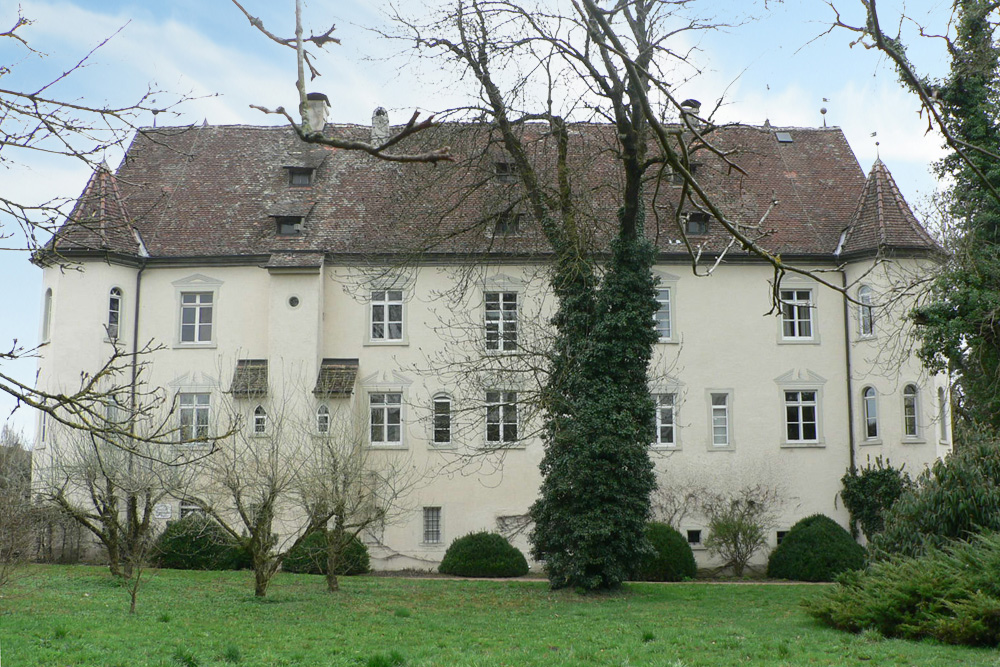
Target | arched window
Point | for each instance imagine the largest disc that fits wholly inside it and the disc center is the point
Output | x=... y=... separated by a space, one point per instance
x=47 y=315
x=910 y=403
x=323 y=419
x=114 y=313
x=442 y=420
x=871 y=413
x=866 y=314
x=259 y=420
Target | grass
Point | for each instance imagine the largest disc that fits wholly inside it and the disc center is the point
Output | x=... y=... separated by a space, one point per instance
x=58 y=615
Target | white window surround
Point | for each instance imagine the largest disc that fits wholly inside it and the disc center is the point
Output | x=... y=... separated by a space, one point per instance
x=798 y=322
x=387 y=316
x=720 y=419
x=502 y=419
x=666 y=316
x=801 y=380
x=197 y=284
x=113 y=323
x=260 y=421
x=194 y=411
x=667 y=436
x=942 y=415
x=870 y=429
x=866 y=312
x=46 y=316
x=386 y=419
x=442 y=427
x=500 y=320
x=323 y=420
x=432 y=525
x=912 y=432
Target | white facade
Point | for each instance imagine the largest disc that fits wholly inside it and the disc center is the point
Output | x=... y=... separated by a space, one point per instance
x=782 y=399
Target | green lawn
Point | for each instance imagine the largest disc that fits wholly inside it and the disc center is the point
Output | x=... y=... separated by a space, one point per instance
x=53 y=615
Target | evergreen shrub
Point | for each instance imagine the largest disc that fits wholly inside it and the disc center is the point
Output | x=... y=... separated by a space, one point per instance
x=953 y=500
x=483 y=555
x=197 y=542
x=815 y=549
x=950 y=594
x=870 y=491
x=309 y=557
x=672 y=559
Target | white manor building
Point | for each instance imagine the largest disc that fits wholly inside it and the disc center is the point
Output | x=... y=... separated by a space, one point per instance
x=280 y=278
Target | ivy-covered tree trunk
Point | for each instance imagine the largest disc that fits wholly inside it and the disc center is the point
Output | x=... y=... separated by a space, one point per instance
x=960 y=327
x=597 y=476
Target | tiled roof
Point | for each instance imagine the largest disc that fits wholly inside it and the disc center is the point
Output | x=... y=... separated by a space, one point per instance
x=295 y=260
x=249 y=378
x=99 y=220
x=336 y=377
x=213 y=191
x=883 y=219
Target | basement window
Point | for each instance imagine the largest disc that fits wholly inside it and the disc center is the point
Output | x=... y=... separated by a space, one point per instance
x=780 y=536
x=288 y=225
x=694 y=537
x=300 y=177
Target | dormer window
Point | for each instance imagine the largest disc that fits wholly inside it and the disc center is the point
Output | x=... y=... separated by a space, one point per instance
x=508 y=224
x=677 y=178
x=696 y=223
x=288 y=225
x=300 y=177
x=506 y=172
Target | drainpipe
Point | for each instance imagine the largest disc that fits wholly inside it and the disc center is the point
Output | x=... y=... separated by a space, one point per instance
x=847 y=363
x=135 y=340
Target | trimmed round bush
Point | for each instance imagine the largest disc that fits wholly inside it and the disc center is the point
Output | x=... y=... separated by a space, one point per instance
x=817 y=548
x=672 y=559
x=483 y=555
x=197 y=542
x=309 y=557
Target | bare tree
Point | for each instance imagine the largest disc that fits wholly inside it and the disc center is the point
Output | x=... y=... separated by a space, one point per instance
x=359 y=489
x=112 y=489
x=17 y=517
x=739 y=521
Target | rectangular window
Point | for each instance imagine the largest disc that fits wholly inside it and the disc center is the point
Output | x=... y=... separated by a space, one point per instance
x=387 y=315
x=694 y=537
x=442 y=420
x=501 y=417
x=796 y=313
x=288 y=225
x=300 y=177
x=720 y=420
x=114 y=313
x=501 y=320
x=386 y=418
x=662 y=317
x=196 y=317
x=666 y=415
x=910 y=422
x=194 y=414
x=508 y=224
x=696 y=223
x=800 y=416
x=432 y=525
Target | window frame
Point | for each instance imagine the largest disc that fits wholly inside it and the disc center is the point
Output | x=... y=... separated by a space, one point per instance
x=287 y=226
x=667 y=322
x=47 y=316
x=942 y=415
x=799 y=404
x=323 y=415
x=198 y=307
x=501 y=405
x=113 y=325
x=438 y=418
x=385 y=408
x=432 y=525
x=870 y=430
x=260 y=422
x=308 y=172
x=792 y=310
x=501 y=331
x=866 y=313
x=386 y=303
x=727 y=414
x=660 y=424
x=193 y=404
x=911 y=412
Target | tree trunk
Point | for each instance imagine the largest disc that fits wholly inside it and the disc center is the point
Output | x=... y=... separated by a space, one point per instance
x=261 y=580
x=332 y=560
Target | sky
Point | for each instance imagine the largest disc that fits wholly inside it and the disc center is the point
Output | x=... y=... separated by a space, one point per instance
x=778 y=61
